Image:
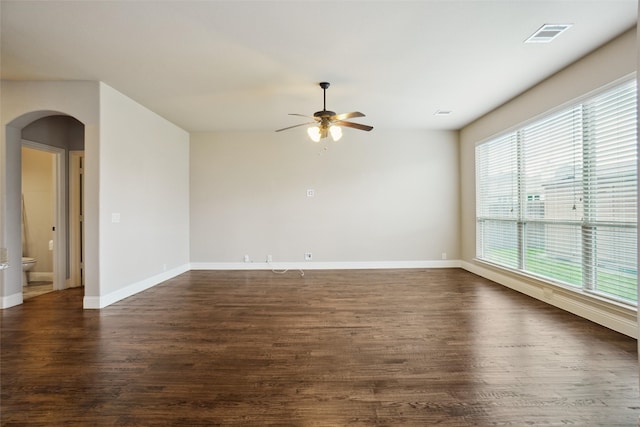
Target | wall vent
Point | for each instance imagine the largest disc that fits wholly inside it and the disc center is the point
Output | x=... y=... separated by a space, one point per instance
x=547 y=33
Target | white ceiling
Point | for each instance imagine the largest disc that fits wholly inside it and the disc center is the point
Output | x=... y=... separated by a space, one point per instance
x=244 y=65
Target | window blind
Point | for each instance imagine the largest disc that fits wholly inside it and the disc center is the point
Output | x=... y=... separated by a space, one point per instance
x=610 y=127
x=552 y=195
x=497 y=207
x=557 y=198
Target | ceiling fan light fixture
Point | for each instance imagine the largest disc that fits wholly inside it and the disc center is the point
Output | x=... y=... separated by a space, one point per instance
x=336 y=132
x=314 y=133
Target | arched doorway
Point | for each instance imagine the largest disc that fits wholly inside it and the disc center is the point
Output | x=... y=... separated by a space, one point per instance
x=62 y=135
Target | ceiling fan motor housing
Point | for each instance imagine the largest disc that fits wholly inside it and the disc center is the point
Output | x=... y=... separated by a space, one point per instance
x=324 y=113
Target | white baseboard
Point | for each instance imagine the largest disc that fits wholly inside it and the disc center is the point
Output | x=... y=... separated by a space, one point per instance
x=40 y=276
x=11 y=300
x=609 y=314
x=90 y=302
x=310 y=265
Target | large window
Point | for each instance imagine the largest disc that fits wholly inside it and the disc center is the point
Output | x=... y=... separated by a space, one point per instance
x=557 y=199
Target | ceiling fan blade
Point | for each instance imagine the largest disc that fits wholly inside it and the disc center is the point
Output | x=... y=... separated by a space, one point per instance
x=302 y=115
x=346 y=115
x=353 y=125
x=295 y=126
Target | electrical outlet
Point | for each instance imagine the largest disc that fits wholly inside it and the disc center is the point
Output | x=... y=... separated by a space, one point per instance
x=444 y=255
x=269 y=258
x=308 y=256
x=247 y=259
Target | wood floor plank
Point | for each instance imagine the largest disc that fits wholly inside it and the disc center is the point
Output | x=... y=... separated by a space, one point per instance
x=330 y=348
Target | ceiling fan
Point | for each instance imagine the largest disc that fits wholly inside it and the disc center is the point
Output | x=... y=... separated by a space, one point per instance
x=326 y=121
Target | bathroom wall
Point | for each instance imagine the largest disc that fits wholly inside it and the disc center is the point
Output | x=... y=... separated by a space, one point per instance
x=38 y=205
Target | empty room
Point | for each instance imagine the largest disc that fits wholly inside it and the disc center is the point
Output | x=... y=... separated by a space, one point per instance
x=319 y=213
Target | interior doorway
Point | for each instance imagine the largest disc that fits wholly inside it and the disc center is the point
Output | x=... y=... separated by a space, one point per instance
x=57 y=133
x=43 y=218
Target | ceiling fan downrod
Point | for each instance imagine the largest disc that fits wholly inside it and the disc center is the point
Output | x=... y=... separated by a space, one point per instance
x=324 y=113
x=324 y=86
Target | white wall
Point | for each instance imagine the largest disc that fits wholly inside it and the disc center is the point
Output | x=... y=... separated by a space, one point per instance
x=144 y=178
x=22 y=102
x=614 y=61
x=136 y=164
x=380 y=197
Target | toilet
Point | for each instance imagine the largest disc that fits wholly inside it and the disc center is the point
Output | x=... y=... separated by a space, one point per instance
x=27 y=264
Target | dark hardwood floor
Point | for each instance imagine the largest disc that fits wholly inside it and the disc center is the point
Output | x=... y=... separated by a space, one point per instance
x=333 y=348
x=35 y=289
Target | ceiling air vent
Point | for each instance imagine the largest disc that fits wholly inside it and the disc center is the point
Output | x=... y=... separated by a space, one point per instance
x=547 y=33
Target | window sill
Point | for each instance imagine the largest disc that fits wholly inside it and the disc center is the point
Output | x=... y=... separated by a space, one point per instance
x=614 y=315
